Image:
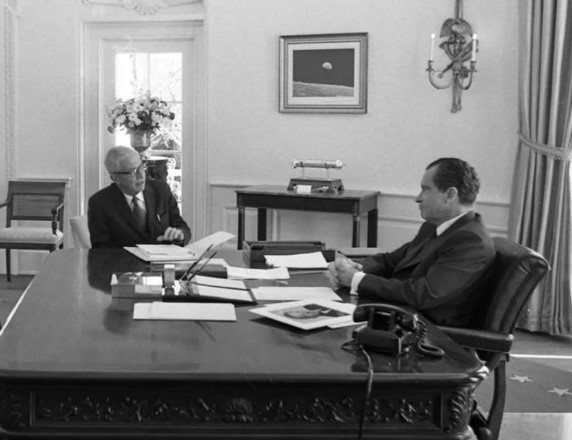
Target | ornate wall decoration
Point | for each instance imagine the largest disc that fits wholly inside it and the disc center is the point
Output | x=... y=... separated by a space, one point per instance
x=143 y=7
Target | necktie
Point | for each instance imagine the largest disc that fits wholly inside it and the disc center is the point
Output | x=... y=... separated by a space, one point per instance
x=139 y=214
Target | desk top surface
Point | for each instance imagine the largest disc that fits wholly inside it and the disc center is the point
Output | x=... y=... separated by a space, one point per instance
x=65 y=326
x=279 y=190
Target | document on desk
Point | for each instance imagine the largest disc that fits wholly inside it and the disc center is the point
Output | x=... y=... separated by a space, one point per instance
x=213 y=240
x=287 y=293
x=161 y=253
x=312 y=260
x=184 y=311
x=241 y=273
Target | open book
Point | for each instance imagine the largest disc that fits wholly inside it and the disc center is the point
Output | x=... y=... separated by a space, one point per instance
x=172 y=253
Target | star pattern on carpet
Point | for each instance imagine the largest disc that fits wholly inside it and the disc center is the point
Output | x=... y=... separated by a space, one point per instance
x=560 y=391
x=521 y=379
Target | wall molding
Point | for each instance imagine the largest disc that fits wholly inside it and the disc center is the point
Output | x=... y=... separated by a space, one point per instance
x=398 y=217
x=11 y=14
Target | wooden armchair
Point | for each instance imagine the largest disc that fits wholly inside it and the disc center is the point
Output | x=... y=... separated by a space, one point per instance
x=33 y=201
x=516 y=272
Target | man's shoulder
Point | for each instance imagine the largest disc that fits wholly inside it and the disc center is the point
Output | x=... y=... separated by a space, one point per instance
x=104 y=193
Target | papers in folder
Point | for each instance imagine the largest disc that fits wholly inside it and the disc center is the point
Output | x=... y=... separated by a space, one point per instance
x=184 y=311
x=171 y=252
x=313 y=260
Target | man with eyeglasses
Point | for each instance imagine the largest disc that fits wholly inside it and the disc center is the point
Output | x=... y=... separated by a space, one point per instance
x=133 y=210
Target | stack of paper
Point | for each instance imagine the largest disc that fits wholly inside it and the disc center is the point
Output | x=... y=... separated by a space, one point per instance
x=313 y=260
x=173 y=253
x=284 y=293
x=184 y=311
x=242 y=273
x=221 y=289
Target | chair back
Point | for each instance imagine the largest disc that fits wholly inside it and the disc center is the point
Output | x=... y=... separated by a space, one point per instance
x=516 y=272
x=35 y=200
x=80 y=232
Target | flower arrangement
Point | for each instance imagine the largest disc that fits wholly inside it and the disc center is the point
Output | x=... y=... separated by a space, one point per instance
x=145 y=113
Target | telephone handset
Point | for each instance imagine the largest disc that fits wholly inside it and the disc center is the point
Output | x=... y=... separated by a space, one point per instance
x=391 y=329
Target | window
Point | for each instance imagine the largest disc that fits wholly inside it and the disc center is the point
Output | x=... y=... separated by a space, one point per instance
x=160 y=74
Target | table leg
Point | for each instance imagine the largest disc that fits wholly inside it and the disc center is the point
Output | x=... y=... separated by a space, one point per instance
x=356 y=230
x=261 y=224
x=372 y=228
x=240 y=228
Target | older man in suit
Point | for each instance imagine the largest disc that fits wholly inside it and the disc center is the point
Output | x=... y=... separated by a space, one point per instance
x=441 y=271
x=133 y=210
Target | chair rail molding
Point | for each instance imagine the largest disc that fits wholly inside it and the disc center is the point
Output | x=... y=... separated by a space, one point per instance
x=11 y=14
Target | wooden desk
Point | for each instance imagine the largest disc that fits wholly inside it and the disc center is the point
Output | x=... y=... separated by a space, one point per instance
x=72 y=366
x=352 y=202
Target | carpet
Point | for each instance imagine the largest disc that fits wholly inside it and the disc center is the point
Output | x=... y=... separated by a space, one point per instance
x=531 y=387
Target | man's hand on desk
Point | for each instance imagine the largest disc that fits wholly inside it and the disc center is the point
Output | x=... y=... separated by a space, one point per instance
x=341 y=272
x=173 y=235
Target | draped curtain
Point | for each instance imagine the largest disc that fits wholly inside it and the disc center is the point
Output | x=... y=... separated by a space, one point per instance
x=540 y=214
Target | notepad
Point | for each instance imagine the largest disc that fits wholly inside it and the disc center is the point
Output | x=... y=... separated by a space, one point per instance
x=184 y=311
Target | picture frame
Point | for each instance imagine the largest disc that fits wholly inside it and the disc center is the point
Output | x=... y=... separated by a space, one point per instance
x=308 y=314
x=323 y=73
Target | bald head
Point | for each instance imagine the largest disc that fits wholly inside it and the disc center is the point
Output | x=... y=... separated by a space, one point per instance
x=120 y=158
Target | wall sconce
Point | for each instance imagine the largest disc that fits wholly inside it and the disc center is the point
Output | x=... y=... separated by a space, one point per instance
x=460 y=45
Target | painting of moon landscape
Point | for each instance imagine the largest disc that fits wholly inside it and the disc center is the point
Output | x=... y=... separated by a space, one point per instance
x=323 y=73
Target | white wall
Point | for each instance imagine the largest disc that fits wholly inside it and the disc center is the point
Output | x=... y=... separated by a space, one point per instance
x=408 y=123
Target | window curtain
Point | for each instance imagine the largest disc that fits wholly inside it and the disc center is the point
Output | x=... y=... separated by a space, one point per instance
x=540 y=214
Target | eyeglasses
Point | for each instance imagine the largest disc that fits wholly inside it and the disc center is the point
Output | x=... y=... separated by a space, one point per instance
x=132 y=173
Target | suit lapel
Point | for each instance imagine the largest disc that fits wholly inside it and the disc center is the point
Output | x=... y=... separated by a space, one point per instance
x=418 y=245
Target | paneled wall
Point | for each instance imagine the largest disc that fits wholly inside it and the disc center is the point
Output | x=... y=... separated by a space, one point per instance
x=247 y=140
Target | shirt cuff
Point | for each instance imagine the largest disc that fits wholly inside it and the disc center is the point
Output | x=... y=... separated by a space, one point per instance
x=356 y=279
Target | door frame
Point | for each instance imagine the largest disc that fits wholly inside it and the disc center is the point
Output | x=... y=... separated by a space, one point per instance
x=95 y=138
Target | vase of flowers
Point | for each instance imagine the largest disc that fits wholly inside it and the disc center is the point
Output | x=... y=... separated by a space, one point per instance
x=140 y=117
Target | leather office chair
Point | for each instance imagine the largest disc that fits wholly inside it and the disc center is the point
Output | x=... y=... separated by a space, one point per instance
x=515 y=274
x=33 y=201
x=80 y=232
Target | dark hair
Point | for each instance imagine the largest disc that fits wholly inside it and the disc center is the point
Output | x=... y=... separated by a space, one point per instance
x=456 y=173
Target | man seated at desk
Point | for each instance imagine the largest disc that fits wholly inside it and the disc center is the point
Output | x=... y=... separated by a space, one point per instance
x=133 y=210
x=442 y=269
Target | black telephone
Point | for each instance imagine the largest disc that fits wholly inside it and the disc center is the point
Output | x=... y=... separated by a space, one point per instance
x=391 y=329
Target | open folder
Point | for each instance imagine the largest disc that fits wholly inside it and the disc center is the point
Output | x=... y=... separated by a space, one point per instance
x=172 y=253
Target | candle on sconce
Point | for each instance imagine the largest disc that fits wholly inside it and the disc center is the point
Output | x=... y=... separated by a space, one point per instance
x=474 y=52
x=432 y=47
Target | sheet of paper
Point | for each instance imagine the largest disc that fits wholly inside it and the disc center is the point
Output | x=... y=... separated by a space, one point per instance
x=274 y=293
x=184 y=311
x=215 y=239
x=241 y=273
x=313 y=260
x=219 y=282
x=227 y=294
x=165 y=249
x=159 y=258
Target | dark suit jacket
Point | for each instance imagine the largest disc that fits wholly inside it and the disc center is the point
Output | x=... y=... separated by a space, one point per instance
x=439 y=276
x=111 y=222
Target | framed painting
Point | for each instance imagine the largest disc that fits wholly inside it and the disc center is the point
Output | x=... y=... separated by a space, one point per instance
x=323 y=73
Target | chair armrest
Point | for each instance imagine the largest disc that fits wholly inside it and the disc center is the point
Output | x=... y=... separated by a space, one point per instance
x=55 y=213
x=4 y=203
x=480 y=339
